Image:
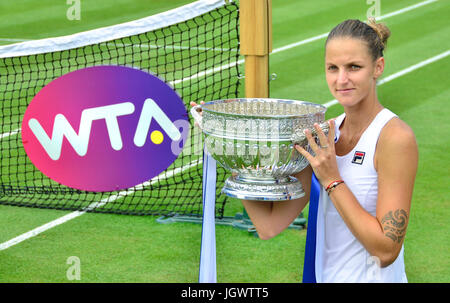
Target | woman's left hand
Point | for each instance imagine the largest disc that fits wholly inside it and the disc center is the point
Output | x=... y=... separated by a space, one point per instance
x=324 y=162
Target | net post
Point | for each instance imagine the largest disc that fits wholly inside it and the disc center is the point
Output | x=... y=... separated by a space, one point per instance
x=255 y=20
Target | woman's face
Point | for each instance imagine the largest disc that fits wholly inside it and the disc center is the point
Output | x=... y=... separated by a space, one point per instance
x=350 y=70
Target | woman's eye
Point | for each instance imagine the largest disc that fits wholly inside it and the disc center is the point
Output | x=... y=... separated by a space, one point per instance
x=355 y=67
x=332 y=67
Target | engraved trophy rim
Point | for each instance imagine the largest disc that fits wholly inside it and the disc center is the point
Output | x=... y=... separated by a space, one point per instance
x=321 y=109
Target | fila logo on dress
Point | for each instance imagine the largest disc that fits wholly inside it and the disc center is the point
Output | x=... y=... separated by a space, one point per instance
x=358 y=157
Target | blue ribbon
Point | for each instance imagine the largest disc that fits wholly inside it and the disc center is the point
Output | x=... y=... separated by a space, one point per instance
x=207 y=268
x=309 y=267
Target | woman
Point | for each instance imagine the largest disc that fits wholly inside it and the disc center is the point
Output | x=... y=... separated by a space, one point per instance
x=366 y=167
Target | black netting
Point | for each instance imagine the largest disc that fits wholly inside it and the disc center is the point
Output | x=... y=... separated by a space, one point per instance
x=197 y=57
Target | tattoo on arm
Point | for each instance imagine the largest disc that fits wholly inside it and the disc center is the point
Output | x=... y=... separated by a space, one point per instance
x=394 y=225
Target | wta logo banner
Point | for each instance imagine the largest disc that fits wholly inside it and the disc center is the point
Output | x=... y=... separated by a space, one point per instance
x=104 y=128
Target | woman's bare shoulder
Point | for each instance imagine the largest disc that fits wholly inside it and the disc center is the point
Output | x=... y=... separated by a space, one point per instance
x=397 y=132
x=397 y=139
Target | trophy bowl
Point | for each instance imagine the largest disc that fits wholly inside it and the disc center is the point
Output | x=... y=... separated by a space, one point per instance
x=254 y=139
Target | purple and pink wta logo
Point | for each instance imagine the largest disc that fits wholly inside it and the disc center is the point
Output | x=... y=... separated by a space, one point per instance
x=104 y=128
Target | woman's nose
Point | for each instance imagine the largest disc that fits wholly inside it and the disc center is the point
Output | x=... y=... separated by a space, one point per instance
x=342 y=77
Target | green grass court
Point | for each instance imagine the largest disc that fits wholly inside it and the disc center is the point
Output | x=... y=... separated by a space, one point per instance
x=119 y=248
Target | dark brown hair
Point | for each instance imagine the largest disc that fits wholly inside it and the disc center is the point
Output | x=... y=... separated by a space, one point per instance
x=374 y=34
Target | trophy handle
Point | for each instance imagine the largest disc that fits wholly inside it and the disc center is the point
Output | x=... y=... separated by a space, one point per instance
x=299 y=137
x=196 y=115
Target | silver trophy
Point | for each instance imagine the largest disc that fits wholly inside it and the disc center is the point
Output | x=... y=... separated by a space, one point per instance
x=254 y=139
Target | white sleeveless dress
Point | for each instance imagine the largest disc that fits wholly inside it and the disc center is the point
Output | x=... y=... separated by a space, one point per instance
x=340 y=257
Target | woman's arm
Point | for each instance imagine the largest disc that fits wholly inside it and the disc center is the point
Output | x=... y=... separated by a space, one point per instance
x=396 y=163
x=271 y=218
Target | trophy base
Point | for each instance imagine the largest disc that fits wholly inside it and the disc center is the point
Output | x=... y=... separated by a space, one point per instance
x=288 y=188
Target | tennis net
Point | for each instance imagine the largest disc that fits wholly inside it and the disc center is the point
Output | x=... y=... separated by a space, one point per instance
x=195 y=48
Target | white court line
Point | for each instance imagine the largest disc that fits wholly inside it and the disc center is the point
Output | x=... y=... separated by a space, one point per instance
x=75 y=214
x=414 y=67
x=324 y=35
x=14 y=40
x=406 y=9
x=176 y=47
x=11 y=133
x=34 y=232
